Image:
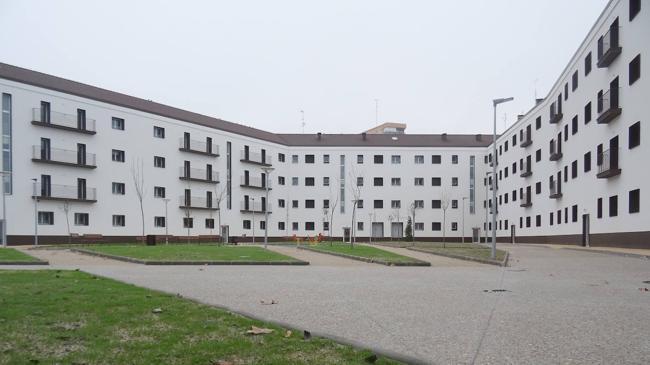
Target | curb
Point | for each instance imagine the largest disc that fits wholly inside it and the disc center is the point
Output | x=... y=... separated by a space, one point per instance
x=365 y=259
x=39 y=262
x=503 y=263
x=613 y=253
x=176 y=263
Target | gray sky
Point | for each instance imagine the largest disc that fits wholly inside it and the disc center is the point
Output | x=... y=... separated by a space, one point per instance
x=435 y=65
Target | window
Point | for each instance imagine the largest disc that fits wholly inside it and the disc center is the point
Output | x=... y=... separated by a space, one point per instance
x=309 y=158
x=588 y=113
x=294 y=159
x=378 y=204
x=118 y=221
x=262 y=224
x=635 y=69
x=395 y=204
x=436 y=181
x=378 y=181
x=574 y=169
x=435 y=159
x=158 y=192
x=326 y=159
x=566 y=91
x=574 y=81
x=118 y=188
x=294 y=204
x=395 y=181
x=379 y=159
x=360 y=159
x=454 y=159
x=326 y=181
x=454 y=181
x=360 y=181
x=326 y=203
x=634 y=135
x=81 y=219
x=454 y=226
x=158 y=161
x=396 y=159
x=309 y=226
x=118 y=123
x=634 y=201
x=527 y=222
x=281 y=203
x=574 y=213
x=436 y=204
x=280 y=157
x=46 y=218
x=538 y=125
x=587 y=162
x=599 y=211
x=326 y=226
x=189 y=222
x=419 y=181
x=588 y=64
x=294 y=181
x=454 y=204
x=359 y=226
x=418 y=226
x=538 y=156
x=117 y=155
x=566 y=133
x=419 y=159
x=613 y=206
x=281 y=180
x=246 y=224
x=538 y=220
x=281 y=226
x=436 y=226
x=159 y=221
x=418 y=204
x=360 y=203
x=294 y=226
x=574 y=125
x=310 y=181
x=635 y=8
x=310 y=203
x=158 y=132
x=538 y=187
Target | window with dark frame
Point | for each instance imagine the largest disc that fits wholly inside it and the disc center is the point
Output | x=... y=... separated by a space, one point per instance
x=613 y=206
x=587 y=63
x=635 y=8
x=634 y=201
x=588 y=113
x=574 y=81
x=574 y=125
x=599 y=208
x=634 y=135
x=587 y=162
x=574 y=169
x=635 y=69
x=538 y=125
x=574 y=213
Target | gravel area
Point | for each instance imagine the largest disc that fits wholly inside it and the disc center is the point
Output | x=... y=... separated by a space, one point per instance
x=559 y=307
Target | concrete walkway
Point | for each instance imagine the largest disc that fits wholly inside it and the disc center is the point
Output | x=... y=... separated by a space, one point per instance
x=317 y=259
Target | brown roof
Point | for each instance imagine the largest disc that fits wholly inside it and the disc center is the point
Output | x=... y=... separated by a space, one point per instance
x=50 y=82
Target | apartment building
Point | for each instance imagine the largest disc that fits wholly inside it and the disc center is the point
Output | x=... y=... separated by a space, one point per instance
x=82 y=160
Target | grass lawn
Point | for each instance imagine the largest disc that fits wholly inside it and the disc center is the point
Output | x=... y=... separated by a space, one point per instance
x=362 y=251
x=11 y=255
x=471 y=250
x=190 y=252
x=70 y=317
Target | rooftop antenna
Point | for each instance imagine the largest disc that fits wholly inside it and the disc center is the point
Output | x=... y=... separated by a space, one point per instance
x=302 y=123
x=377 y=111
x=535 y=89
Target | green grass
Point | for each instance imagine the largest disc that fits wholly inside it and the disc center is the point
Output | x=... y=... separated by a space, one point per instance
x=69 y=317
x=362 y=251
x=11 y=255
x=470 y=250
x=190 y=252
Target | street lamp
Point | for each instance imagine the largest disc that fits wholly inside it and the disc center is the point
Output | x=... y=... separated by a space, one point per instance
x=166 y=200
x=253 y=211
x=267 y=173
x=35 y=213
x=463 y=221
x=4 y=207
x=495 y=102
x=485 y=231
x=370 y=232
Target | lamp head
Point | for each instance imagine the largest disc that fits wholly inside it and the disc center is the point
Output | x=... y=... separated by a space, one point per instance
x=501 y=101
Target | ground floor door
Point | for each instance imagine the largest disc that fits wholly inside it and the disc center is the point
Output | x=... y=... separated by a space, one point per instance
x=225 y=234
x=585 y=230
x=476 y=235
x=377 y=229
x=346 y=234
x=396 y=230
x=513 y=234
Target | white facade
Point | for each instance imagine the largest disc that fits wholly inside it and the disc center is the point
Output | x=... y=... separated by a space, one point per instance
x=139 y=144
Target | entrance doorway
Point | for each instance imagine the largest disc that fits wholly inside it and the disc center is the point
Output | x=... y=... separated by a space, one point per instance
x=585 y=230
x=377 y=229
x=513 y=234
x=346 y=234
x=225 y=234
x=396 y=230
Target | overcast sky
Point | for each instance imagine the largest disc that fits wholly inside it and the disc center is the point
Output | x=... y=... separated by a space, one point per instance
x=435 y=65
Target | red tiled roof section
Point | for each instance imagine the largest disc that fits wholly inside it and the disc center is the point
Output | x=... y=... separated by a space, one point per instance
x=50 y=82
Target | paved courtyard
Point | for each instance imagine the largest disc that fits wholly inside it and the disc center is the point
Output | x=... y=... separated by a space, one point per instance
x=560 y=306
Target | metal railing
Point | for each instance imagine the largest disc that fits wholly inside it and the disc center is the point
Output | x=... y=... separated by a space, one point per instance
x=608 y=42
x=254 y=181
x=607 y=161
x=255 y=157
x=193 y=173
x=63 y=192
x=63 y=120
x=555 y=148
x=604 y=102
x=253 y=206
x=525 y=199
x=554 y=188
x=65 y=156
x=196 y=202
x=525 y=169
x=199 y=146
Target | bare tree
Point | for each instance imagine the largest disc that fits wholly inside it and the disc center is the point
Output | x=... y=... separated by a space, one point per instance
x=66 y=210
x=219 y=194
x=137 y=172
x=444 y=204
x=187 y=210
x=412 y=210
x=354 y=175
x=334 y=202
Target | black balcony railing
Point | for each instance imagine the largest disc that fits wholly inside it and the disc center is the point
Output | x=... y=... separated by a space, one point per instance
x=608 y=48
x=64 y=192
x=525 y=200
x=63 y=157
x=608 y=164
x=200 y=147
x=555 y=150
x=608 y=107
x=555 y=190
x=196 y=202
x=199 y=175
x=69 y=122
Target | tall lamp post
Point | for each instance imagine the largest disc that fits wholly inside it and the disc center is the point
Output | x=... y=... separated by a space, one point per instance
x=253 y=211
x=4 y=207
x=370 y=232
x=35 y=213
x=495 y=102
x=485 y=231
x=267 y=172
x=463 y=222
x=166 y=200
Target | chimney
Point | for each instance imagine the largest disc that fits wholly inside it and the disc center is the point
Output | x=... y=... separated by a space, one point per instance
x=479 y=137
x=363 y=136
x=319 y=135
x=538 y=101
x=444 y=136
x=520 y=117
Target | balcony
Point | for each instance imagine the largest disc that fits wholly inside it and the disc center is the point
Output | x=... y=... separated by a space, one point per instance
x=525 y=200
x=555 y=191
x=608 y=108
x=526 y=141
x=58 y=156
x=255 y=158
x=608 y=48
x=64 y=193
x=608 y=164
x=525 y=170
x=196 y=202
x=199 y=175
x=555 y=152
x=199 y=147
x=253 y=207
x=555 y=117
x=253 y=183
x=68 y=122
